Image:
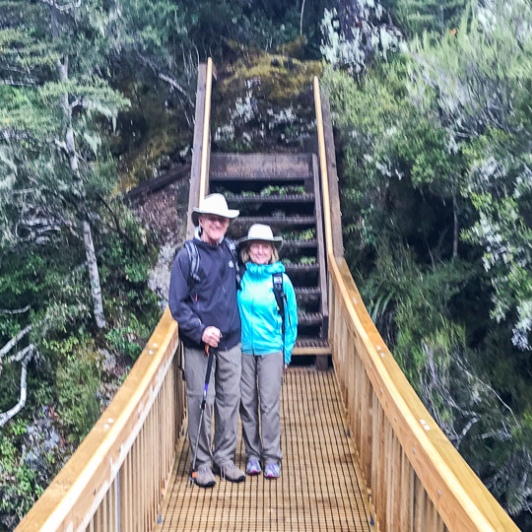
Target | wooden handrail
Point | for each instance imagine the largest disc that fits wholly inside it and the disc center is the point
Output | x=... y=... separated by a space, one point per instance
x=418 y=480
x=323 y=171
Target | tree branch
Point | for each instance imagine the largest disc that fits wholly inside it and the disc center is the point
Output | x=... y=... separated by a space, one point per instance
x=16 y=311
x=173 y=83
x=12 y=412
x=14 y=341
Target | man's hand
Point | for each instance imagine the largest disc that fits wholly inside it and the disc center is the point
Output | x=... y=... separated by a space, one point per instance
x=211 y=336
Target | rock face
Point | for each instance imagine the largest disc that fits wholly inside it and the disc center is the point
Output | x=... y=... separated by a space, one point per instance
x=164 y=211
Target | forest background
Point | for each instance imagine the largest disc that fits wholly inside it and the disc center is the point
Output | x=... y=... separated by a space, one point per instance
x=433 y=125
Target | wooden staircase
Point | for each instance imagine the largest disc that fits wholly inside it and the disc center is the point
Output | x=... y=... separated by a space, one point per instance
x=283 y=191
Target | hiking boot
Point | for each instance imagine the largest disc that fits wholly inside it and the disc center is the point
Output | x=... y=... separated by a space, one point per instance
x=272 y=470
x=204 y=477
x=253 y=467
x=230 y=472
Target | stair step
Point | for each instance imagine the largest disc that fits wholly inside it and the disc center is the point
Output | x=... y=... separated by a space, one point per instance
x=287 y=244
x=274 y=221
x=236 y=200
x=307 y=293
x=263 y=167
x=311 y=346
x=298 y=268
x=306 y=318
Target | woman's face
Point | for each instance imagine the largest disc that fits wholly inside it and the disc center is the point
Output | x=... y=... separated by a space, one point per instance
x=260 y=252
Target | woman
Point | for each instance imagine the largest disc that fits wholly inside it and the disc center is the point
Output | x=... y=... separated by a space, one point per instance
x=267 y=345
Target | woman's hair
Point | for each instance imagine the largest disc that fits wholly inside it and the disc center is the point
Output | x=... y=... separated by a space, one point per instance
x=244 y=254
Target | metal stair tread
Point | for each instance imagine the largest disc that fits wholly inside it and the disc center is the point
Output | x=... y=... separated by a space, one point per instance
x=257 y=198
x=309 y=318
x=311 y=346
x=302 y=267
x=306 y=290
x=274 y=220
x=300 y=243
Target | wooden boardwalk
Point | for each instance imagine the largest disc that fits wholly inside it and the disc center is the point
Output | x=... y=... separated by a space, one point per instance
x=320 y=488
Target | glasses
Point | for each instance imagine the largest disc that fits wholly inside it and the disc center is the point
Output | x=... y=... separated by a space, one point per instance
x=213 y=218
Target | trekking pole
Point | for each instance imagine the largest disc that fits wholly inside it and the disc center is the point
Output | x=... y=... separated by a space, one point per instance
x=210 y=351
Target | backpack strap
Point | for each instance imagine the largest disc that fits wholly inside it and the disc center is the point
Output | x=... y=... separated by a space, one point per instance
x=231 y=246
x=278 y=292
x=193 y=256
x=194 y=259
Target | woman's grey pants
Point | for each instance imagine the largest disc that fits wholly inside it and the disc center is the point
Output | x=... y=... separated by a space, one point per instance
x=223 y=394
x=262 y=378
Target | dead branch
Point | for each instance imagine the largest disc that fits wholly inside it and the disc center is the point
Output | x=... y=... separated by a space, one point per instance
x=12 y=412
x=173 y=83
x=14 y=341
x=16 y=311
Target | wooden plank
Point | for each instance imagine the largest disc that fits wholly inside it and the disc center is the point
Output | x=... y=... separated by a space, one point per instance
x=322 y=362
x=334 y=196
x=255 y=166
x=197 y=146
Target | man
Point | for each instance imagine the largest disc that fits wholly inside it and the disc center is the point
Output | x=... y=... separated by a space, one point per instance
x=205 y=306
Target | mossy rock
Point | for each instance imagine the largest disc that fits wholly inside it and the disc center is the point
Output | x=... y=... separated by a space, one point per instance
x=263 y=101
x=281 y=78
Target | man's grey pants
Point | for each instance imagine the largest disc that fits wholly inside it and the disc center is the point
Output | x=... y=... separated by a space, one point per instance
x=223 y=394
x=262 y=378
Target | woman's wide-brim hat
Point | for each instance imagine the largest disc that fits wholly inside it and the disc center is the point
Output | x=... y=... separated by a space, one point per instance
x=213 y=204
x=262 y=233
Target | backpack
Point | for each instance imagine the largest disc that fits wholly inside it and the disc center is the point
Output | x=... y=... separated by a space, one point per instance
x=194 y=258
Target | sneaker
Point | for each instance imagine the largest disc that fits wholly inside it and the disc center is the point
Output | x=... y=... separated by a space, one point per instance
x=230 y=472
x=272 y=470
x=253 y=467
x=204 y=477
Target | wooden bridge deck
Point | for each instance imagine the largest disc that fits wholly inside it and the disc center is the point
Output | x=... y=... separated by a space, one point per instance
x=320 y=488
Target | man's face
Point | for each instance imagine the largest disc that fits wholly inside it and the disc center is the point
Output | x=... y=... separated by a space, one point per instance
x=214 y=227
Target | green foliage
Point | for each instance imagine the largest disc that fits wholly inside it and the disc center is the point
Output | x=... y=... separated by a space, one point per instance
x=399 y=172
x=418 y=16
x=128 y=337
x=19 y=483
x=482 y=109
x=435 y=158
x=77 y=383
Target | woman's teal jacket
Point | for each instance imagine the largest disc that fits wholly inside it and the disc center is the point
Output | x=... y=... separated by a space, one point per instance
x=261 y=321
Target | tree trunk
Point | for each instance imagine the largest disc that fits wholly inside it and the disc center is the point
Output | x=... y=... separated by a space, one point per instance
x=73 y=159
x=301 y=17
x=455 y=226
x=94 y=275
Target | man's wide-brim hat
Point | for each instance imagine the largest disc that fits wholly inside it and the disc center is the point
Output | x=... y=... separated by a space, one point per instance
x=262 y=233
x=213 y=204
